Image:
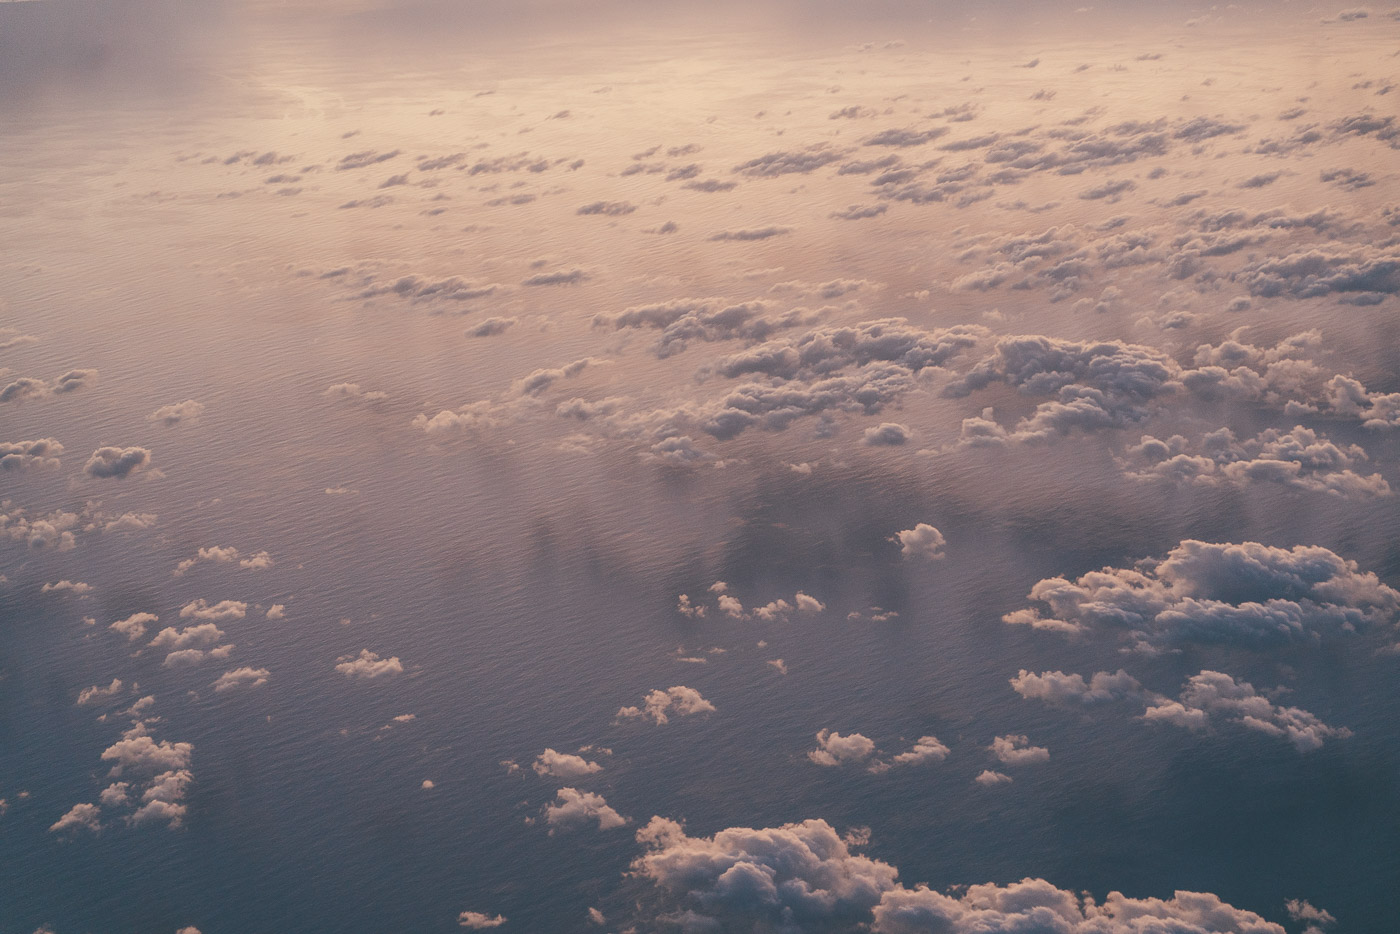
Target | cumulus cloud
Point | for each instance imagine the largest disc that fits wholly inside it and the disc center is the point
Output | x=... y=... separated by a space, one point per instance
x=368 y=666
x=480 y=921
x=52 y=531
x=557 y=277
x=74 y=587
x=574 y=806
x=1016 y=749
x=659 y=706
x=26 y=387
x=134 y=626
x=79 y=817
x=922 y=541
x=834 y=750
x=751 y=233
x=704 y=319
x=564 y=765
x=110 y=462
x=353 y=392
x=803 y=161
x=1245 y=594
x=491 y=327
x=1299 y=458
x=218 y=612
x=418 y=288
x=887 y=434
x=23 y=455
x=177 y=413
x=990 y=778
x=97 y=694
x=1206 y=698
x=241 y=678
x=137 y=752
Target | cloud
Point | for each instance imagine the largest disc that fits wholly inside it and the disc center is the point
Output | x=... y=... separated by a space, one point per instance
x=749 y=878
x=186 y=412
x=558 y=277
x=922 y=541
x=27 y=387
x=368 y=666
x=97 y=694
x=1363 y=269
x=755 y=233
x=574 y=806
x=491 y=327
x=1036 y=905
x=659 y=706
x=705 y=319
x=241 y=678
x=134 y=626
x=1299 y=458
x=990 y=778
x=833 y=749
x=75 y=587
x=478 y=921
x=774 y=164
x=1245 y=594
x=218 y=612
x=359 y=160
x=204 y=634
x=1206 y=697
x=79 y=817
x=41 y=453
x=54 y=530
x=352 y=392
x=422 y=289
x=109 y=462
x=608 y=208
x=137 y=752
x=1016 y=749
x=563 y=765
x=541 y=379
x=887 y=434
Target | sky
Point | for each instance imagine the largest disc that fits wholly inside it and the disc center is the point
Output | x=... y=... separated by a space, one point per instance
x=699 y=467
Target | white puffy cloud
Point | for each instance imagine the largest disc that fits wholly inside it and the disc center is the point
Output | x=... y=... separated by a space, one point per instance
x=659 y=706
x=1206 y=698
x=922 y=541
x=79 y=817
x=990 y=778
x=203 y=634
x=96 y=694
x=113 y=462
x=480 y=921
x=138 y=752
x=23 y=455
x=833 y=749
x=368 y=666
x=564 y=765
x=54 y=530
x=1242 y=594
x=218 y=612
x=186 y=412
x=1016 y=749
x=574 y=806
x=1036 y=905
x=741 y=878
x=241 y=678
x=1299 y=458
x=134 y=626
x=76 y=587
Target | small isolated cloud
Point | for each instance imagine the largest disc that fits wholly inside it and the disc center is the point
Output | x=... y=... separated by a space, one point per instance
x=66 y=586
x=833 y=749
x=134 y=626
x=368 y=665
x=41 y=453
x=26 y=387
x=177 y=413
x=352 y=392
x=204 y=634
x=755 y=233
x=888 y=434
x=97 y=694
x=218 y=612
x=479 y=921
x=1014 y=749
x=241 y=678
x=277 y=611
x=79 y=817
x=988 y=778
x=552 y=764
x=557 y=277
x=660 y=706
x=491 y=327
x=608 y=208
x=573 y=806
x=922 y=541
x=113 y=462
